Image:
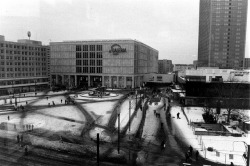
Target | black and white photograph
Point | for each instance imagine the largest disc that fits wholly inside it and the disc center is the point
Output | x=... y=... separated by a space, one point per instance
x=124 y=83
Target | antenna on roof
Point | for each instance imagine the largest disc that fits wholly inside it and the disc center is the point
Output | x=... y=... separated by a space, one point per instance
x=29 y=34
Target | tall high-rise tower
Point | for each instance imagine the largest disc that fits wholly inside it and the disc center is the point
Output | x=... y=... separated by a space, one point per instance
x=222 y=33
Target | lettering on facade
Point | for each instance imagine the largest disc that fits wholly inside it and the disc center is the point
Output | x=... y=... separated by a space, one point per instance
x=116 y=49
x=239 y=73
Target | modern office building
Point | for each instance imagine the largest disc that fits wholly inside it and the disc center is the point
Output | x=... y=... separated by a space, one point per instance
x=165 y=66
x=109 y=63
x=23 y=66
x=222 y=33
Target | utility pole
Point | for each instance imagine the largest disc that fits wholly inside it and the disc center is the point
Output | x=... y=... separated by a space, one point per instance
x=97 y=149
x=118 y=146
x=129 y=112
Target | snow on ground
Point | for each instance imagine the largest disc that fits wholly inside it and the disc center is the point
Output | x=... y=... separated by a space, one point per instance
x=124 y=112
x=152 y=123
x=224 y=145
x=103 y=136
x=135 y=123
x=100 y=111
x=195 y=114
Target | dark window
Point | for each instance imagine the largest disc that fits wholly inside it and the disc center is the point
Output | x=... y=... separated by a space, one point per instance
x=92 y=47
x=99 y=47
x=78 y=47
x=85 y=70
x=85 y=48
x=92 y=55
x=92 y=62
x=99 y=55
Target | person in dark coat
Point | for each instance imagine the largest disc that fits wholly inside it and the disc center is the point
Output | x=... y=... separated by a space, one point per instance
x=18 y=138
x=178 y=115
x=162 y=145
x=26 y=150
x=197 y=155
x=232 y=164
x=191 y=150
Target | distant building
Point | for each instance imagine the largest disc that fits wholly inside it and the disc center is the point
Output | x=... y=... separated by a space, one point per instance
x=247 y=63
x=222 y=33
x=165 y=66
x=23 y=66
x=109 y=63
x=202 y=85
x=195 y=63
x=183 y=67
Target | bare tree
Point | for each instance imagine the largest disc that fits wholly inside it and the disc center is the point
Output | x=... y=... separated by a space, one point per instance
x=228 y=92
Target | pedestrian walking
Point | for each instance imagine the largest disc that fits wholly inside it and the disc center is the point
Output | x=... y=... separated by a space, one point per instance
x=32 y=127
x=197 y=155
x=191 y=150
x=61 y=100
x=65 y=102
x=53 y=103
x=8 y=117
x=27 y=127
x=162 y=145
x=26 y=150
x=21 y=139
x=155 y=112
x=47 y=98
x=178 y=115
x=26 y=102
x=18 y=138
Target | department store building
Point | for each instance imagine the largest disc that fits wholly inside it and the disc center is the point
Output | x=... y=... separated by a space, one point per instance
x=109 y=63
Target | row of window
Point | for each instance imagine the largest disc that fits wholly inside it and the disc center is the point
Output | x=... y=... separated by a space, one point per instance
x=22 y=74
x=23 y=63
x=24 y=58
x=23 y=53
x=23 y=69
x=88 y=55
x=89 y=69
x=22 y=47
x=89 y=62
x=88 y=47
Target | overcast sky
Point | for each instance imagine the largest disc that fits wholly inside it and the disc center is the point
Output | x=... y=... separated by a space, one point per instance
x=170 y=26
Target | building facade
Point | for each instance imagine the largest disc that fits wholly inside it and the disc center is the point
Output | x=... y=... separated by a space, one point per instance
x=222 y=33
x=165 y=66
x=23 y=66
x=183 y=67
x=109 y=63
x=247 y=63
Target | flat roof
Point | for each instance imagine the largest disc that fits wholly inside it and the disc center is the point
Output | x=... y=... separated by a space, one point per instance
x=101 y=40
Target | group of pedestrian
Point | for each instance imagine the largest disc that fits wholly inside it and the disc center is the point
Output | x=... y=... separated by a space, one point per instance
x=28 y=127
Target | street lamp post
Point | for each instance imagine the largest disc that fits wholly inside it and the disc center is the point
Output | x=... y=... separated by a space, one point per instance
x=129 y=111
x=118 y=145
x=97 y=141
x=35 y=86
x=13 y=88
